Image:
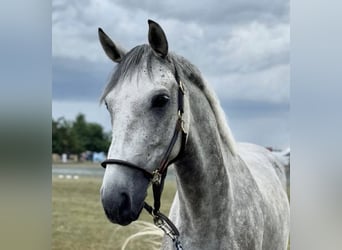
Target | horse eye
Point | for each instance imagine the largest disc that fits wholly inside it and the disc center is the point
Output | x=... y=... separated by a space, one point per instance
x=160 y=101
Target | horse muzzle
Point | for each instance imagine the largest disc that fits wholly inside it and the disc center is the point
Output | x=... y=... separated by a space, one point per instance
x=123 y=193
x=118 y=208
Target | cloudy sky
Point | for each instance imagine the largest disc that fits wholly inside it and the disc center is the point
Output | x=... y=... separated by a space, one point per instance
x=240 y=46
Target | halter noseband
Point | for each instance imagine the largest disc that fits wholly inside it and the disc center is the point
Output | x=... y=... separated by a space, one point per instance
x=157 y=177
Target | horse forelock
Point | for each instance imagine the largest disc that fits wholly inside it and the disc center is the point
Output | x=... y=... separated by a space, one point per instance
x=142 y=57
x=132 y=62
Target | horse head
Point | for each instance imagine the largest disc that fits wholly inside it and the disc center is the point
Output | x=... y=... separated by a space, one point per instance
x=142 y=98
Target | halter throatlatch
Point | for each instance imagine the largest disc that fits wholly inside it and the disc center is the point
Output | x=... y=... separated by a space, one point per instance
x=157 y=177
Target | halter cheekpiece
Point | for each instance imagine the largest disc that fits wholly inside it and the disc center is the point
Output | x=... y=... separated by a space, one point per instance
x=157 y=177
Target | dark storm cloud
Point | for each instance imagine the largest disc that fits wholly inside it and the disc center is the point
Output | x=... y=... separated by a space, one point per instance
x=259 y=122
x=78 y=80
x=199 y=31
x=249 y=50
x=214 y=11
x=250 y=109
x=240 y=46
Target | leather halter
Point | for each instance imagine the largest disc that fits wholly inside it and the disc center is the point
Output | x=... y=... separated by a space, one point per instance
x=157 y=177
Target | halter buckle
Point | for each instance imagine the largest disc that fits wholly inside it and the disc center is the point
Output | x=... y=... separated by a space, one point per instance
x=160 y=223
x=181 y=87
x=156 y=177
x=182 y=126
x=180 y=117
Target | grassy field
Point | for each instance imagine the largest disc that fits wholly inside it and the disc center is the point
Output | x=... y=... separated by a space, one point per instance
x=78 y=220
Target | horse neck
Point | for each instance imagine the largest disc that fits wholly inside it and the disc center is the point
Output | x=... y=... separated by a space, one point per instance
x=202 y=176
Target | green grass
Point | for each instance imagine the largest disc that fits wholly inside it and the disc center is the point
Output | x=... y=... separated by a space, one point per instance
x=75 y=164
x=79 y=222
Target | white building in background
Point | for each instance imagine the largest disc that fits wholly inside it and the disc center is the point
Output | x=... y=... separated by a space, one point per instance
x=99 y=156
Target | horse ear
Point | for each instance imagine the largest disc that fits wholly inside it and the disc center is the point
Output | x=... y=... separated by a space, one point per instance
x=157 y=39
x=113 y=51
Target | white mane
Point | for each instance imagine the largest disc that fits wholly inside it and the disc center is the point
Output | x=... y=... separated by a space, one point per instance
x=224 y=130
x=195 y=76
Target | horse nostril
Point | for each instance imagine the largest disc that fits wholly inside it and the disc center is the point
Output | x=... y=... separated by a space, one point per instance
x=125 y=203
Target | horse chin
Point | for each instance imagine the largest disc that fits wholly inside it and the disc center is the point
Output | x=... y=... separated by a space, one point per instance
x=124 y=217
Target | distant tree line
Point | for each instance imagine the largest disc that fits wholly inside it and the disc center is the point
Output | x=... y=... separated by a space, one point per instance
x=76 y=137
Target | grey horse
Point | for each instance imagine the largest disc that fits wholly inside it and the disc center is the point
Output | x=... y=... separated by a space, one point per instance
x=229 y=195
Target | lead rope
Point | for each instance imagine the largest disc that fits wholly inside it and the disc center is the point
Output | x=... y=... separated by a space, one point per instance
x=162 y=222
x=159 y=219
